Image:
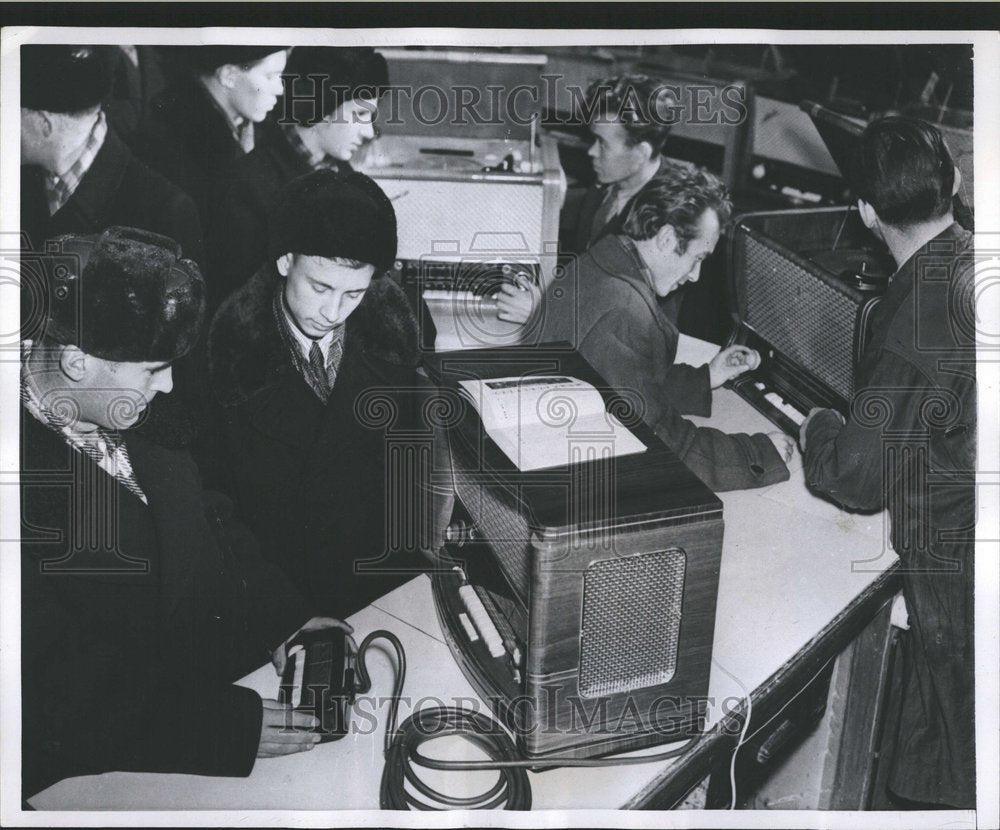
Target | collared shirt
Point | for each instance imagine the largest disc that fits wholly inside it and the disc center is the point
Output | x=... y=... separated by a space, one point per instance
x=616 y=198
x=331 y=344
x=99 y=445
x=59 y=188
x=241 y=128
x=317 y=161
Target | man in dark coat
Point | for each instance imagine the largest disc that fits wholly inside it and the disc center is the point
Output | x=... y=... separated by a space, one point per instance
x=607 y=307
x=209 y=114
x=141 y=602
x=78 y=176
x=910 y=446
x=313 y=364
x=320 y=127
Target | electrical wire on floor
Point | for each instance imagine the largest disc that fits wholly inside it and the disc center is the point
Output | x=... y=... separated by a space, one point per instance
x=512 y=790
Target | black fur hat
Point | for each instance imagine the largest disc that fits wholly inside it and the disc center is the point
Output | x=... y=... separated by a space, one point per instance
x=123 y=295
x=336 y=215
x=347 y=73
x=65 y=78
x=204 y=60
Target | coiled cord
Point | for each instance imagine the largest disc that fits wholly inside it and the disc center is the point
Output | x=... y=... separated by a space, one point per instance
x=512 y=791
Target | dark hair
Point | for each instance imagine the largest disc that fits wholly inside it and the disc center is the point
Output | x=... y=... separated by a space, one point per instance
x=347 y=73
x=904 y=171
x=642 y=105
x=677 y=196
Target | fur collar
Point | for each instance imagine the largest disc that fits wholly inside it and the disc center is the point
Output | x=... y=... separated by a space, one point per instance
x=247 y=354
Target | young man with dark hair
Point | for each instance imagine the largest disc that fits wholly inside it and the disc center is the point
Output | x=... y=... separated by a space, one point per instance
x=630 y=119
x=329 y=111
x=141 y=601
x=909 y=446
x=607 y=307
x=299 y=355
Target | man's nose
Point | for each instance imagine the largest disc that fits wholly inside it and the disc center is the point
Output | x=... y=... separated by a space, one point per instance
x=164 y=380
x=331 y=308
x=694 y=273
x=593 y=151
x=367 y=130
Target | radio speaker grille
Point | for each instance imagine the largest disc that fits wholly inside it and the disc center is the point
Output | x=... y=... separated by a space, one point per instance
x=804 y=317
x=631 y=622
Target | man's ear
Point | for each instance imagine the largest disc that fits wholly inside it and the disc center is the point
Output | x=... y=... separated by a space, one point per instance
x=226 y=75
x=284 y=264
x=868 y=214
x=958 y=181
x=647 y=150
x=666 y=238
x=73 y=363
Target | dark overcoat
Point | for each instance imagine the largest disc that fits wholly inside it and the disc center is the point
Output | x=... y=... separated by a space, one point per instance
x=607 y=310
x=118 y=189
x=320 y=483
x=239 y=211
x=909 y=446
x=136 y=619
x=186 y=137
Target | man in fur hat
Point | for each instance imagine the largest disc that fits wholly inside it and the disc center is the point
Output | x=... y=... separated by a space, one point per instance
x=77 y=174
x=303 y=358
x=330 y=105
x=209 y=114
x=141 y=602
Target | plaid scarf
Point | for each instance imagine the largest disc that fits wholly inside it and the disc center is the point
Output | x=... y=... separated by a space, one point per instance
x=104 y=447
x=320 y=378
x=59 y=188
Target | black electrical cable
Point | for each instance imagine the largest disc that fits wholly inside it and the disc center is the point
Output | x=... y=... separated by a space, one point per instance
x=512 y=790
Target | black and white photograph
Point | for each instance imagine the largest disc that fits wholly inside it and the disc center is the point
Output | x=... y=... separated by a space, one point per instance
x=508 y=426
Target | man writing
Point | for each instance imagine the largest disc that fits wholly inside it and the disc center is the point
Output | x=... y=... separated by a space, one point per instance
x=141 y=601
x=607 y=307
x=909 y=446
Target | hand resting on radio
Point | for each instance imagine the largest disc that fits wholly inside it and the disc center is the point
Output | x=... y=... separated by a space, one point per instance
x=517 y=303
x=730 y=363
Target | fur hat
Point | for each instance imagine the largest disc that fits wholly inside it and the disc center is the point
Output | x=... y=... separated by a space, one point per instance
x=336 y=215
x=204 y=60
x=64 y=78
x=123 y=295
x=347 y=72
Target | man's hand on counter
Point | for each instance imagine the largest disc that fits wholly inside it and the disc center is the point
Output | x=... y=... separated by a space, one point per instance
x=279 y=730
x=784 y=444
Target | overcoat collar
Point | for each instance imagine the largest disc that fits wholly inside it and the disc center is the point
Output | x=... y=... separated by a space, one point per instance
x=247 y=354
x=620 y=261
